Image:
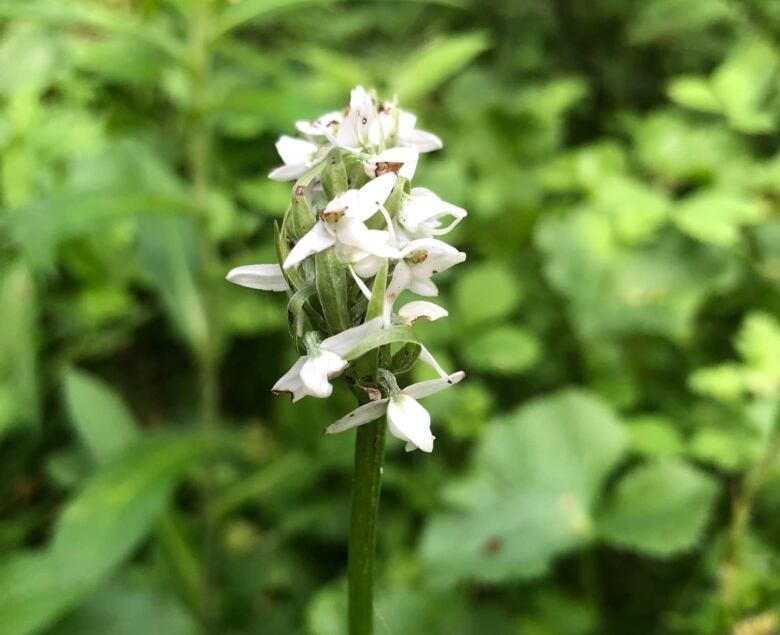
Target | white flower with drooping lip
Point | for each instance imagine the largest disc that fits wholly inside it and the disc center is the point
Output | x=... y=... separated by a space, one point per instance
x=402 y=161
x=298 y=156
x=422 y=214
x=419 y=260
x=410 y=312
x=323 y=126
x=343 y=222
x=406 y=418
x=311 y=374
x=263 y=277
x=396 y=127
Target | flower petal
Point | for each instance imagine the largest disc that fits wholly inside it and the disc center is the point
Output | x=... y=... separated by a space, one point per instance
x=264 y=277
x=373 y=194
x=364 y=414
x=343 y=342
x=409 y=421
x=355 y=233
x=402 y=161
x=420 y=139
x=291 y=381
x=424 y=389
x=424 y=286
x=288 y=172
x=317 y=239
x=295 y=151
x=420 y=309
x=317 y=371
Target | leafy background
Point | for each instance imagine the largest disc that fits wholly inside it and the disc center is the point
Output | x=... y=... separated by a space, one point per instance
x=611 y=464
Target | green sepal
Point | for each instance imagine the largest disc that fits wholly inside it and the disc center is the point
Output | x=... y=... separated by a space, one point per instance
x=393 y=202
x=331 y=282
x=380 y=338
x=376 y=304
x=405 y=358
x=295 y=310
x=293 y=277
x=334 y=175
x=356 y=175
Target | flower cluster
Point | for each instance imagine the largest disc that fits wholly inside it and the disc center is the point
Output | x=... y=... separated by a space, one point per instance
x=355 y=236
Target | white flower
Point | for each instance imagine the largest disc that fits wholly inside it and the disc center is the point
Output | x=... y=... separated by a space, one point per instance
x=406 y=419
x=421 y=310
x=324 y=126
x=264 y=277
x=422 y=213
x=419 y=260
x=311 y=374
x=402 y=161
x=298 y=156
x=396 y=127
x=353 y=130
x=343 y=222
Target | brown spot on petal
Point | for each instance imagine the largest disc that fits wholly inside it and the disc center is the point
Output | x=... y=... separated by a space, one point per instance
x=417 y=256
x=300 y=190
x=384 y=167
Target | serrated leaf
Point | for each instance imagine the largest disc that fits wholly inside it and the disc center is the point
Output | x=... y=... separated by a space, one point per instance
x=529 y=494
x=659 y=509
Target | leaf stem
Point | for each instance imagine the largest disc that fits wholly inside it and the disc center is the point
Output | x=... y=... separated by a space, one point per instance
x=366 y=481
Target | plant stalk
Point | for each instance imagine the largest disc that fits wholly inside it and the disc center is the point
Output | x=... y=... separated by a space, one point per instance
x=366 y=481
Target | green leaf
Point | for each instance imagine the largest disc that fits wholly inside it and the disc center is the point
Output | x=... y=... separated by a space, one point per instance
x=505 y=349
x=486 y=292
x=654 y=436
x=376 y=305
x=716 y=216
x=241 y=13
x=380 y=338
x=101 y=419
x=98 y=530
x=512 y=516
x=660 y=509
x=18 y=347
x=694 y=92
x=429 y=67
x=170 y=252
x=333 y=175
x=331 y=282
x=129 y=605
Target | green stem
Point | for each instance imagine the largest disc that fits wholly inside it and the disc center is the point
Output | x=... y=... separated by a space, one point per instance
x=366 y=480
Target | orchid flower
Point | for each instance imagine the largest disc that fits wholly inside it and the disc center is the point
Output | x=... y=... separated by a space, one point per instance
x=342 y=222
x=402 y=161
x=407 y=420
x=323 y=126
x=298 y=156
x=353 y=130
x=422 y=213
x=263 y=277
x=311 y=374
x=419 y=260
x=396 y=127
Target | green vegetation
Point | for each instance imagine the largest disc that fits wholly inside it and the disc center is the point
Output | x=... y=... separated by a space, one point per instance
x=610 y=465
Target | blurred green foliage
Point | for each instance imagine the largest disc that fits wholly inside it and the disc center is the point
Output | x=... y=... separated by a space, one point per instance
x=611 y=464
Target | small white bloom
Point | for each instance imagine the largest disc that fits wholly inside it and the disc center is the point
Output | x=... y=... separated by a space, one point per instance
x=343 y=222
x=421 y=310
x=298 y=156
x=353 y=130
x=422 y=214
x=420 y=260
x=324 y=126
x=396 y=127
x=406 y=418
x=311 y=374
x=402 y=161
x=264 y=277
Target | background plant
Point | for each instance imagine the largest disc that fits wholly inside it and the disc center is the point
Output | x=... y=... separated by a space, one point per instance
x=610 y=466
